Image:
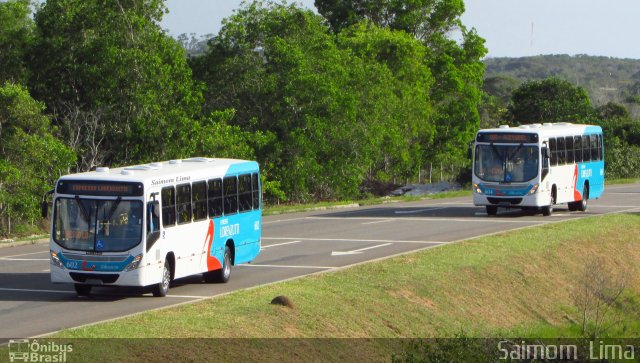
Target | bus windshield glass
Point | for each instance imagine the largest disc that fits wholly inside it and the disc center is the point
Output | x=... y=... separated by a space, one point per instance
x=506 y=163
x=97 y=225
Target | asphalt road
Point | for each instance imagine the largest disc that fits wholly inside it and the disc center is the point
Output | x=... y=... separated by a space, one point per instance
x=293 y=245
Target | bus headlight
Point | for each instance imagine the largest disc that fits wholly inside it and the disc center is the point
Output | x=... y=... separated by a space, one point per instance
x=534 y=189
x=134 y=264
x=476 y=188
x=55 y=260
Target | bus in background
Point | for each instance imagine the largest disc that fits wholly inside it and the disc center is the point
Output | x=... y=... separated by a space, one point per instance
x=146 y=225
x=535 y=167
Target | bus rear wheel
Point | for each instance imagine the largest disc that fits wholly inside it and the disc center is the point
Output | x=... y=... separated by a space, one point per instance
x=162 y=288
x=583 y=204
x=221 y=275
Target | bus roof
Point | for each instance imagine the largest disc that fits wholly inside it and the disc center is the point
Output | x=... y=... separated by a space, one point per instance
x=546 y=129
x=168 y=172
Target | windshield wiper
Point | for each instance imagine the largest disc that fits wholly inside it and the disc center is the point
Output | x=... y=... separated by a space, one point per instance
x=85 y=214
x=113 y=207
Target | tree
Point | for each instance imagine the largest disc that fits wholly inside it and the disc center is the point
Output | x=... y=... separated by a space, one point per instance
x=119 y=88
x=336 y=110
x=549 y=100
x=612 y=110
x=420 y=18
x=16 y=34
x=31 y=158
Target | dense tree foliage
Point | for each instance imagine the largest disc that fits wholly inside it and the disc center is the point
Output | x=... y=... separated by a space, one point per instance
x=31 y=158
x=16 y=34
x=119 y=88
x=549 y=100
x=339 y=109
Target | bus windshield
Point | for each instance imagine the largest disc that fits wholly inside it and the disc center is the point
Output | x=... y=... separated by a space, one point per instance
x=506 y=163
x=97 y=225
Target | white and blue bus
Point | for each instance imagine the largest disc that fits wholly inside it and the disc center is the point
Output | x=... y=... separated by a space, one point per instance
x=538 y=166
x=146 y=225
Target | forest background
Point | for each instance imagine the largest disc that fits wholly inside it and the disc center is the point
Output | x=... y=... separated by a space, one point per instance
x=345 y=103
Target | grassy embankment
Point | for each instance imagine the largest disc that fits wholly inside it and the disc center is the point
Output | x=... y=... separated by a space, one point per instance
x=521 y=283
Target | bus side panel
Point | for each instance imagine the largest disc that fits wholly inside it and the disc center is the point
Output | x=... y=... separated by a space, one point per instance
x=244 y=230
x=593 y=173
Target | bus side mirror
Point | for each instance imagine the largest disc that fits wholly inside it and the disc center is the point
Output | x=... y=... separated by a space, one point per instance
x=44 y=209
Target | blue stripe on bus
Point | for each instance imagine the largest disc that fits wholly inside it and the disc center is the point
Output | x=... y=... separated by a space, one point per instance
x=88 y=265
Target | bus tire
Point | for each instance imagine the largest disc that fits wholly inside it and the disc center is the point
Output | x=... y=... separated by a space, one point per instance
x=492 y=210
x=82 y=290
x=162 y=288
x=221 y=275
x=583 y=204
x=548 y=210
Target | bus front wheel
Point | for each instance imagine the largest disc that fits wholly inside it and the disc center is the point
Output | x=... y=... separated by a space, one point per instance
x=82 y=290
x=548 y=210
x=161 y=289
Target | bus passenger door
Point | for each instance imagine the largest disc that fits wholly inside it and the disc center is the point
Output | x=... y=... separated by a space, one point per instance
x=153 y=223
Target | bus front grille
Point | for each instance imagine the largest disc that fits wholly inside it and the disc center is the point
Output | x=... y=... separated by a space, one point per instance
x=83 y=277
x=512 y=201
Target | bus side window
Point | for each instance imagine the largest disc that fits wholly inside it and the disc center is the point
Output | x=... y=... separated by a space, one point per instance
x=570 y=152
x=168 y=196
x=214 y=196
x=562 y=155
x=586 y=148
x=230 y=192
x=183 y=203
x=199 y=190
x=594 y=148
x=255 y=189
x=577 y=145
x=244 y=192
x=554 y=151
x=600 y=147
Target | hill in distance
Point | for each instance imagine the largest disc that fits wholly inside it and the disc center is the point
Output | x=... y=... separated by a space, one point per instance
x=605 y=79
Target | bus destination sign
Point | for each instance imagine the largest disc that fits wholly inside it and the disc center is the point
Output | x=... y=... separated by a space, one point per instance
x=507 y=137
x=100 y=188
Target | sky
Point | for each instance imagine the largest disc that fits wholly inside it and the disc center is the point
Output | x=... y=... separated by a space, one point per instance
x=511 y=28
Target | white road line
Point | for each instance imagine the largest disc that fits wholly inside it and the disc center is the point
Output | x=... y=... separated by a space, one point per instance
x=354 y=252
x=34 y=290
x=354 y=240
x=23 y=259
x=188 y=296
x=381 y=221
x=418 y=210
x=611 y=206
x=287 y=266
x=428 y=219
x=24 y=254
x=372 y=247
x=280 y=244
